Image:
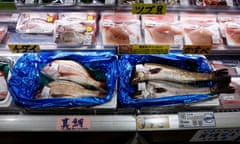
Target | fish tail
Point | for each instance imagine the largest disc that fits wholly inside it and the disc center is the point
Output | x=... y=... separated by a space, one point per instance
x=101 y=94
x=221 y=76
x=222 y=87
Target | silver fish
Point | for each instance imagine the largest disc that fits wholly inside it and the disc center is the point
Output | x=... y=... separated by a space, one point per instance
x=157 y=89
x=153 y=71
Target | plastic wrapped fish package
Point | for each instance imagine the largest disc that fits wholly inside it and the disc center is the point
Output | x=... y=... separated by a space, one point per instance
x=76 y=28
x=57 y=3
x=36 y=23
x=26 y=2
x=201 y=29
x=6 y=64
x=63 y=79
x=169 y=3
x=172 y=79
x=230 y=28
x=162 y=29
x=120 y=28
x=213 y=3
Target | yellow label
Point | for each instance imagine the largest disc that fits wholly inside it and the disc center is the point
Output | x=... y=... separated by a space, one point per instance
x=194 y=49
x=89 y=29
x=50 y=19
x=140 y=8
x=152 y=122
x=15 y=48
x=89 y=17
x=144 y=49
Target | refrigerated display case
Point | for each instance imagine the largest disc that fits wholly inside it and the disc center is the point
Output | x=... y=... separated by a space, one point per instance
x=99 y=27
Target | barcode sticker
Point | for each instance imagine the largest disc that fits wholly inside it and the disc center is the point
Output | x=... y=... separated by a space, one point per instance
x=184 y=3
x=178 y=40
x=196 y=119
x=215 y=38
x=141 y=86
x=109 y=2
x=228 y=97
x=230 y=3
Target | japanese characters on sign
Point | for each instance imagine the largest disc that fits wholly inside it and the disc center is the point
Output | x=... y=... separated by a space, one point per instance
x=140 y=8
x=192 y=49
x=144 y=49
x=23 y=48
x=152 y=122
x=73 y=123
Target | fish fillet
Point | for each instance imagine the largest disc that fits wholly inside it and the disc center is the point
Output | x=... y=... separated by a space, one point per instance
x=233 y=34
x=200 y=36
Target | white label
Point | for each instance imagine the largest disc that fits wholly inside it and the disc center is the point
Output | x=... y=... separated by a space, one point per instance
x=29 y=2
x=184 y=3
x=108 y=23
x=215 y=38
x=233 y=25
x=210 y=135
x=178 y=40
x=147 y=1
x=88 y=39
x=109 y=2
x=229 y=3
x=68 y=1
x=142 y=86
x=133 y=39
x=139 y=68
x=151 y=24
x=237 y=70
x=217 y=62
x=196 y=119
x=228 y=97
x=45 y=92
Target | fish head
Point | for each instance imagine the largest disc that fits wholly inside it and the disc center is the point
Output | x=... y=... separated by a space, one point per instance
x=51 y=70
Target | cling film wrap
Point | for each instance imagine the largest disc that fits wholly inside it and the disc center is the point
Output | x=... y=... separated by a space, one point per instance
x=195 y=63
x=27 y=80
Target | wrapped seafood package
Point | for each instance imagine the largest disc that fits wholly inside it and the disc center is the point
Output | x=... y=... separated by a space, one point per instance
x=172 y=79
x=201 y=29
x=3 y=33
x=120 y=28
x=214 y=3
x=6 y=64
x=36 y=23
x=230 y=28
x=162 y=29
x=169 y=3
x=57 y=3
x=63 y=79
x=76 y=28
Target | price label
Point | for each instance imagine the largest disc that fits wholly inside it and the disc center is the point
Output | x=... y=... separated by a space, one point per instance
x=152 y=122
x=73 y=123
x=144 y=49
x=15 y=48
x=196 y=119
x=193 y=49
x=7 y=6
x=140 y=8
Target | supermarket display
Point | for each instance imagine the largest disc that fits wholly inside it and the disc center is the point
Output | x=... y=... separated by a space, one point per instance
x=63 y=79
x=169 y=3
x=76 y=28
x=204 y=3
x=172 y=79
x=120 y=28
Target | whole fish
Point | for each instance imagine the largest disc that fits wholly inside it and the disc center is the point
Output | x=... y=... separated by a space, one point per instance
x=156 y=89
x=71 y=70
x=3 y=86
x=63 y=88
x=153 y=71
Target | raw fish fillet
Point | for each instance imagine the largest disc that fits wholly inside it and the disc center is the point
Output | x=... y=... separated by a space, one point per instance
x=3 y=86
x=200 y=36
x=233 y=34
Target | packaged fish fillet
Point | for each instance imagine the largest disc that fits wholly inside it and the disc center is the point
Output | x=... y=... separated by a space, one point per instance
x=3 y=33
x=63 y=79
x=201 y=29
x=230 y=28
x=76 y=28
x=232 y=100
x=58 y=3
x=8 y=17
x=120 y=28
x=217 y=3
x=40 y=23
x=232 y=66
x=172 y=79
x=6 y=64
x=162 y=29
x=26 y=2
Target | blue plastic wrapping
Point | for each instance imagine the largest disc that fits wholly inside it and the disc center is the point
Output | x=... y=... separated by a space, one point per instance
x=126 y=90
x=25 y=80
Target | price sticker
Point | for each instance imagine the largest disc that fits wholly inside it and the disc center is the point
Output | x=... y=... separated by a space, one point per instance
x=194 y=49
x=15 y=48
x=152 y=122
x=140 y=8
x=89 y=17
x=144 y=49
x=73 y=123
x=7 y=6
x=196 y=119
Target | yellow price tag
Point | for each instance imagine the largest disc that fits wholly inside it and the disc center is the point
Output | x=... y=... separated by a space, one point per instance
x=89 y=17
x=194 y=49
x=25 y=48
x=144 y=49
x=89 y=29
x=50 y=19
x=140 y=8
x=152 y=122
